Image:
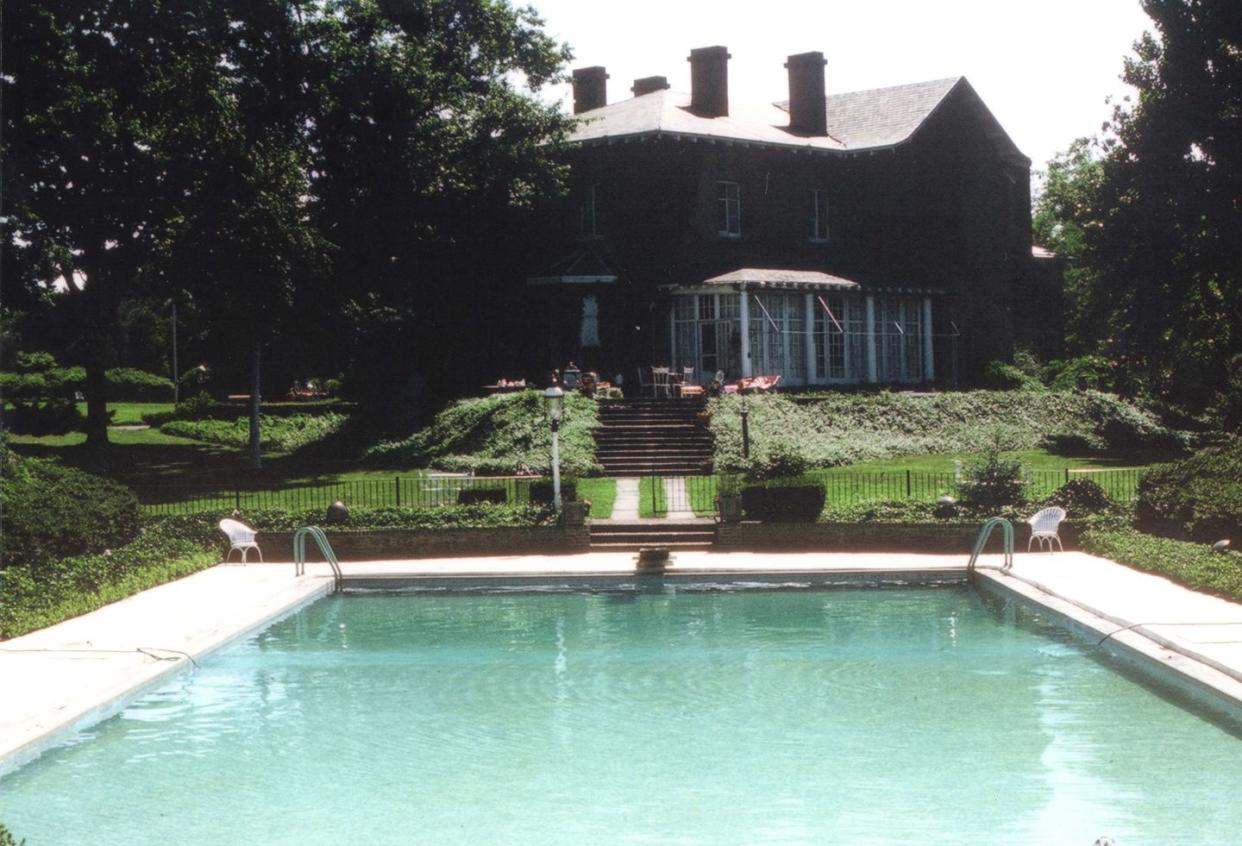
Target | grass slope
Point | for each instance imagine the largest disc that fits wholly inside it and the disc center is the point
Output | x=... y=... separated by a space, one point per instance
x=831 y=429
x=498 y=435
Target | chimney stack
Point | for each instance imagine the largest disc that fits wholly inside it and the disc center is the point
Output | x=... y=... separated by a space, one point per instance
x=648 y=84
x=807 y=110
x=590 y=89
x=709 y=81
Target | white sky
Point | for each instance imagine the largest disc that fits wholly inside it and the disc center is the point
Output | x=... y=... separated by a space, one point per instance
x=1044 y=67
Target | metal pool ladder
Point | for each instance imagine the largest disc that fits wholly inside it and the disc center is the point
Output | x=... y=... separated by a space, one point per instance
x=982 y=540
x=321 y=540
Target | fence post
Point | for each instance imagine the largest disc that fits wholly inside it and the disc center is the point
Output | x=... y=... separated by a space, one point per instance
x=1067 y=475
x=237 y=499
x=397 y=483
x=907 y=484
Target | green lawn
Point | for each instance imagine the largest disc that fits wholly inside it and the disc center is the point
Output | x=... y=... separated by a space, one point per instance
x=130 y=413
x=602 y=493
x=652 y=501
x=1033 y=459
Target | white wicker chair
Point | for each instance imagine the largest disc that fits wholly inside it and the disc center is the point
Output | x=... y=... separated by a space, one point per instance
x=1044 y=528
x=241 y=537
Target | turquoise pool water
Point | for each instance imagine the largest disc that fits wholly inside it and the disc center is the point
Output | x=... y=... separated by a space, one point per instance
x=930 y=716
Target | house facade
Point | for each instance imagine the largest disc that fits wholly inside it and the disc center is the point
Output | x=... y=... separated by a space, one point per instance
x=870 y=237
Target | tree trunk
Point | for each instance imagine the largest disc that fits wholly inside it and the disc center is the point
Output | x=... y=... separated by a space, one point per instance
x=96 y=390
x=256 y=458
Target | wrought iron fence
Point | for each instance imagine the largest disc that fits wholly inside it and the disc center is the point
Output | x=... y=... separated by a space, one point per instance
x=658 y=496
x=683 y=495
x=408 y=491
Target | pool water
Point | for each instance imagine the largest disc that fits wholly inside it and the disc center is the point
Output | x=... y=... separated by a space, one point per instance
x=928 y=716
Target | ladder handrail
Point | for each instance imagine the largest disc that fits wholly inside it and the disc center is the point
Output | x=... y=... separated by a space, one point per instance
x=982 y=540
x=321 y=540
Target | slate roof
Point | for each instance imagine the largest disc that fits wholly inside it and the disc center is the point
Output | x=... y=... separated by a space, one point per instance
x=882 y=117
x=875 y=119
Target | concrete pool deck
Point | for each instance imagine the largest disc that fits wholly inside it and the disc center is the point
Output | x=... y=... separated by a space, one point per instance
x=84 y=670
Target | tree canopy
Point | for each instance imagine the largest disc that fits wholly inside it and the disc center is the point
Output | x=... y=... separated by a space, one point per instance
x=257 y=157
x=1153 y=214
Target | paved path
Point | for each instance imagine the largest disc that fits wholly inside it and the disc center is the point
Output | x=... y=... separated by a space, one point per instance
x=625 y=507
x=677 y=499
x=83 y=670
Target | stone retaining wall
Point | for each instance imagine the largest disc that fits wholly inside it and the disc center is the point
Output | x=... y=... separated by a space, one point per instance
x=386 y=544
x=868 y=537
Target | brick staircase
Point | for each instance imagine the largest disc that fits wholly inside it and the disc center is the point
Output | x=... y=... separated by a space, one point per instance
x=653 y=437
x=676 y=535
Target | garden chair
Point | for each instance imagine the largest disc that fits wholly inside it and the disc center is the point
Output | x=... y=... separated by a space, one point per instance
x=1044 y=528
x=646 y=387
x=663 y=381
x=241 y=537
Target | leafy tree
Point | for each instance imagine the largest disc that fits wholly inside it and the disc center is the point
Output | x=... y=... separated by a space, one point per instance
x=1168 y=245
x=105 y=107
x=1063 y=219
x=429 y=154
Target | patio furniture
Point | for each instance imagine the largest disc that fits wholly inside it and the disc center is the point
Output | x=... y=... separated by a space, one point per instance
x=646 y=387
x=663 y=380
x=758 y=384
x=241 y=537
x=1044 y=528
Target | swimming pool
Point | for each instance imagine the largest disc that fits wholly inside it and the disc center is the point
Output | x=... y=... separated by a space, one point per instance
x=676 y=716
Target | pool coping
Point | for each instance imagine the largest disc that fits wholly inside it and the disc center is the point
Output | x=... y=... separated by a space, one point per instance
x=228 y=603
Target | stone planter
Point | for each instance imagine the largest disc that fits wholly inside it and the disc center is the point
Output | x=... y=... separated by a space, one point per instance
x=574 y=513
x=730 y=508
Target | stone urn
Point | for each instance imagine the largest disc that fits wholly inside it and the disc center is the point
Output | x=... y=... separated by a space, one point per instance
x=575 y=513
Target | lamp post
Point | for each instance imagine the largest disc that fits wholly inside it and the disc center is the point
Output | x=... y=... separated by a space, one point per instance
x=554 y=397
x=745 y=429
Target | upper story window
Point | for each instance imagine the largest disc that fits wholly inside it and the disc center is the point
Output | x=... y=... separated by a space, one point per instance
x=819 y=216
x=729 y=210
x=588 y=214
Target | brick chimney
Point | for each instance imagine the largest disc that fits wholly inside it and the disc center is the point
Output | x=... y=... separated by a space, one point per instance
x=807 y=114
x=648 y=84
x=709 y=81
x=590 y=89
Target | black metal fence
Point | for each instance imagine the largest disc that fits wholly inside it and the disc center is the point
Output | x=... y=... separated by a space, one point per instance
x=697 y=494
x=659 y=496
x=409 y=491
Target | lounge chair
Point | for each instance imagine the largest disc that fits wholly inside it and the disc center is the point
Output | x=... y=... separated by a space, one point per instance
x=241 y=537
x=1044 y=528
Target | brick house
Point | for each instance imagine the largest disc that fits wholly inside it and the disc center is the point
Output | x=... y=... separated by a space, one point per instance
x=875 y=236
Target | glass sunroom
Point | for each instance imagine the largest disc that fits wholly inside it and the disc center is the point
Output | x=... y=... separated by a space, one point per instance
x=808 y=327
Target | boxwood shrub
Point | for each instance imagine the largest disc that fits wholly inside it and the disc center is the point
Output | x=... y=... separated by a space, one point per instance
x=783 y=502
x=52 y=511
x=475 y=496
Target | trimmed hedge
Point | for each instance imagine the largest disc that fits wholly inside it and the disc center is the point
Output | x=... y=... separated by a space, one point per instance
x=125 y=384
x=276 y=433
x=783 y=502
x=1194 y=565
x=52 y=511
x=477 y=496
x=478 y=516
x=1198 y=498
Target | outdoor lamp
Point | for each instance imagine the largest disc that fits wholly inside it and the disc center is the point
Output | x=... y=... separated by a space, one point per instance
x=555 y=399
x=745 y=412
